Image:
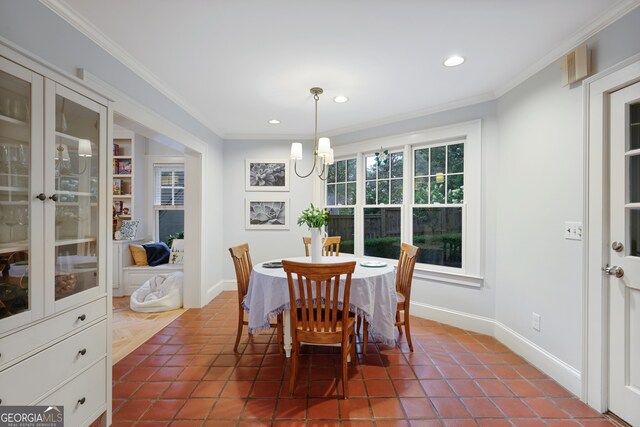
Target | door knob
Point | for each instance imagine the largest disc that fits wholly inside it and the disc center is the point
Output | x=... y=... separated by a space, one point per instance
x=617 y=246
x=41 y=197
x=613 y=270
x=54 y=197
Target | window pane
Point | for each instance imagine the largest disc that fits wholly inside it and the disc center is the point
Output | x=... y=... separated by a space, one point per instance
x=396 y=165
x=178 y=196
x=331 y=194
x=371 y=193
x=437 y=189
x=341 y=223
x=422 y=190
x=383 y=192
x=351 y=170
x=179 y=178
x=634 y=217
x=455 y=191
x=371 y=167
x=351 y=193
x=383 y=170
x=455 y=158
x=166 y=179
x=634 y=179
x=169 y=222
x=166 y=196
x=331 y=174
x=341 y=175
x=634 y=122
x=396 y=191
x=341 y=194
x=438 y=233
x=438 y=155
x=422 y=162
x=382 y=232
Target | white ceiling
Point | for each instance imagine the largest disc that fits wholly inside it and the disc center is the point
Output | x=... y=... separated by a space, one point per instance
x=236 y=64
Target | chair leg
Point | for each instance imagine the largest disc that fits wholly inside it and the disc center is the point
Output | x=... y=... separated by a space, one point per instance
x=398 y=322
x=240 y=325
x=358 y=324
x=365 y=335
x=345 y=375
x=407 y=328
x=294 y=367
x=280 y=332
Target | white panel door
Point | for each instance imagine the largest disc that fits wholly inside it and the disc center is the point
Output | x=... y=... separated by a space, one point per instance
x=624 y=273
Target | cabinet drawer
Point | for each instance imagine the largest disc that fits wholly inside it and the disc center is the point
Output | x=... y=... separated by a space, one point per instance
x=28 y=340
x=90 y=388
x=29 y=380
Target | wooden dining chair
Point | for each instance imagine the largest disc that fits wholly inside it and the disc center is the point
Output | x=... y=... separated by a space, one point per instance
x=320 y=320
x=330 y=246
x=404 y=277
x=243 y=266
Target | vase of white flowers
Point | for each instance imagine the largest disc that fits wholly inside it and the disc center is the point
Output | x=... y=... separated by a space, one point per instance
x=315 y=219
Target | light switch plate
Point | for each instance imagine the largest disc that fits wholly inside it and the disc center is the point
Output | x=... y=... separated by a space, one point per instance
x=573 y=230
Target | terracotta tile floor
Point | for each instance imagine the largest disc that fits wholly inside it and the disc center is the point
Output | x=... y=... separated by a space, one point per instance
x=188 y=375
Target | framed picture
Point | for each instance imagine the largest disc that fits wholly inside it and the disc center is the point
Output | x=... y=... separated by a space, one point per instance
x=267 y=175
x=267 y=213
x=177 y=252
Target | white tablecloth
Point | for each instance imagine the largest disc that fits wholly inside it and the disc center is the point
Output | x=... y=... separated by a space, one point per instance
x=372 y=294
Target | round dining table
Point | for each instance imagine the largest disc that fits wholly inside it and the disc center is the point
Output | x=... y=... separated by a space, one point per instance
x=373 y=296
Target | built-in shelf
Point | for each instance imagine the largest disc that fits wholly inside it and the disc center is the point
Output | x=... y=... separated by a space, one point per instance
x=12 y=121
x=63 y=242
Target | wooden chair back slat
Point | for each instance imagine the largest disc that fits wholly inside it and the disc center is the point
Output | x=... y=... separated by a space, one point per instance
x=406 y=265
x=314 y=314
x=330 y=246
x=243 y=267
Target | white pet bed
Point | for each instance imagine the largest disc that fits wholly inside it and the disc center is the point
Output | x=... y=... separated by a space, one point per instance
x=160 y=293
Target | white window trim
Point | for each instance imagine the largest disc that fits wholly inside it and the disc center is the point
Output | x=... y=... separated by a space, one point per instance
x=152 y=161
x=471 y=132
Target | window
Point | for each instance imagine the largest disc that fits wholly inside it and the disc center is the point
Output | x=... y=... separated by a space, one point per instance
x=438 y=193
x=382 y=225
x=341 y=193
x=168 y=200
x=425 y=192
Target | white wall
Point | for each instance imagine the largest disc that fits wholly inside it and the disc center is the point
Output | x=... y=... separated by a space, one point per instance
x=540 y=186
x=264 y=244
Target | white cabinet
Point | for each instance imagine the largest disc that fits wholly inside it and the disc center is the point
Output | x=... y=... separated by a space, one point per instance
x=54 y=328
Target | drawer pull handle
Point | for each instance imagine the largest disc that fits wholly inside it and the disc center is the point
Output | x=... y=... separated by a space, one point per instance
x=82 y=352
x=82 y=317
x=81 y=401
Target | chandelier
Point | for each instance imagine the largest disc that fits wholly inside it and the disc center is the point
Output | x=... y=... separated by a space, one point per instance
x=322 y=151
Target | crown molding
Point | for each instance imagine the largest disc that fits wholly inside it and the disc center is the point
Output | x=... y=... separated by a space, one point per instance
x=465 y=102
x=612 y=15
x=66 y=12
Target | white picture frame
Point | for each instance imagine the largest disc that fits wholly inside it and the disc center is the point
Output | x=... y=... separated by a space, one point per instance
x=267 y=175
x=177 y=252
x=267 y=213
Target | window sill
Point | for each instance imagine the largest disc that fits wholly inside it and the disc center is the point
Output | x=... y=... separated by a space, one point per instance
x=456 y=279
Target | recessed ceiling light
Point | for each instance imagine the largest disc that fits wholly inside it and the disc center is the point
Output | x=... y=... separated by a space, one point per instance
x=453 y=61
x=274 y=121
x=340 y=99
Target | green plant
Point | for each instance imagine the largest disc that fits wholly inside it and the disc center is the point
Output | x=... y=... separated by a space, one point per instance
x=171 y=237
x=313 y=217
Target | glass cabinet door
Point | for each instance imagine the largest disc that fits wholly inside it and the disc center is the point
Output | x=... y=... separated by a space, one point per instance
x=20 y=303
x=76 y=160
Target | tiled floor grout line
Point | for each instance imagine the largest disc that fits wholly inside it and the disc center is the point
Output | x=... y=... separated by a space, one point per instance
x=459 y=358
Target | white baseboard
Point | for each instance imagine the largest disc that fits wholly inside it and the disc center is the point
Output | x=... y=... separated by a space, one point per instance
x=566 y=375
x=213 y=291
x=229 y=285
x=470 y=322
